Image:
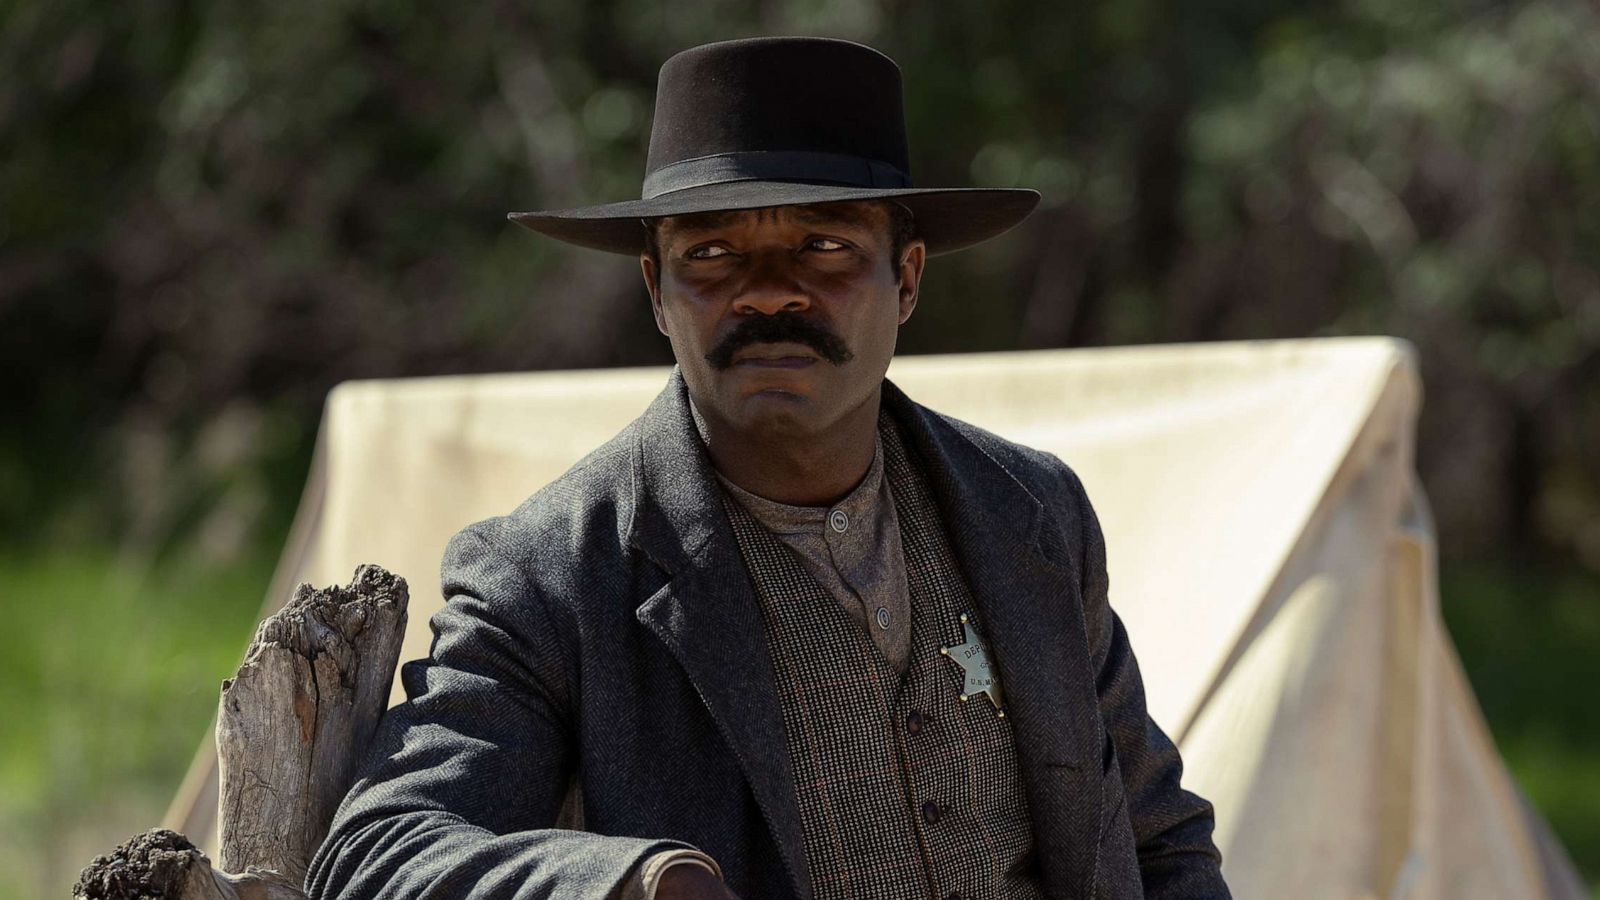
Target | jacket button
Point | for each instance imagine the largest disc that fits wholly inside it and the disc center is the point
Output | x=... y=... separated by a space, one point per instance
x=914 y=723
x=931 y=813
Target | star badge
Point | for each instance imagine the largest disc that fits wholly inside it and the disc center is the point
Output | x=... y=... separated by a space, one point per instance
x=973 y=658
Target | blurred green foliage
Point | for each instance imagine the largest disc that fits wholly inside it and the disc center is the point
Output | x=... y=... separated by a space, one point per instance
x=1528 y=640
x=210 y=213
x=108 y=677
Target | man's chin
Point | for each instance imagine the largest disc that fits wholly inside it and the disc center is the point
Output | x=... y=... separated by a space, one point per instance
x=778 y=412
x=771 y=404
x=757 y=386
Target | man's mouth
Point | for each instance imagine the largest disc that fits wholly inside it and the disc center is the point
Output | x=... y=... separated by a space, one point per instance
x=774 y=358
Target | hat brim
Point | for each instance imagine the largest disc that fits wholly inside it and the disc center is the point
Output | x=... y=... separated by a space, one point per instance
x=947 y=219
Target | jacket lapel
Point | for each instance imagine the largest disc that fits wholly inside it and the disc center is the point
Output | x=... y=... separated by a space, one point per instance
x=707 y=614
x=1013 y=554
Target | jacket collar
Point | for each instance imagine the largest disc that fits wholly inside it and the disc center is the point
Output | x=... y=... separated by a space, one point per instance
x=677 y=509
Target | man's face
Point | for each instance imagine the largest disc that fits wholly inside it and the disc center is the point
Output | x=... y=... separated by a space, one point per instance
x=783 y=319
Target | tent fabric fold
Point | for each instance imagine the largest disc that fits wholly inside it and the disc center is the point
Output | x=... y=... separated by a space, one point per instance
x=1270 y=551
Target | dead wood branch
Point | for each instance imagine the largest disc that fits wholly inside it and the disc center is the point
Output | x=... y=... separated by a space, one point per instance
x=292 y=726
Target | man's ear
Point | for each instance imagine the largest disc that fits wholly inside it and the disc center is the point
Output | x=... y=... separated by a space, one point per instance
x=909 y=270
x=652 y=283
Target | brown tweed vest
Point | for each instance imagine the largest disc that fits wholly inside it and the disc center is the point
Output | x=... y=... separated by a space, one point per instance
x=904 y=790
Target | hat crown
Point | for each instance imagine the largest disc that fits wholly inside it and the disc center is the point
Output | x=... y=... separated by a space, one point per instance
x=782 y=94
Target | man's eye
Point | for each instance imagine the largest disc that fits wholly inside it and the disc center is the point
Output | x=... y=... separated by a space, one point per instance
x=827 y=244
x=710 y=251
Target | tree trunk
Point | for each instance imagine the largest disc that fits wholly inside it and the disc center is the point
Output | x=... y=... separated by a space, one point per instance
x=291 y=727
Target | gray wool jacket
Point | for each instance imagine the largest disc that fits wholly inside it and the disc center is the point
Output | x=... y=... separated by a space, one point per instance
x=605 y=636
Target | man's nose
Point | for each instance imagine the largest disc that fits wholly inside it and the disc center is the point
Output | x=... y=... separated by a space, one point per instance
x=770 y=286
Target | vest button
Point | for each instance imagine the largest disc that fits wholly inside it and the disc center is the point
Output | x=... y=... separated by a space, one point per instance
x=931 y=813
x=914 y=722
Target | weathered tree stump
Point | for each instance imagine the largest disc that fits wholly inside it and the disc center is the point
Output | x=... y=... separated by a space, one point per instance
x=291 y=727
x=293 y=724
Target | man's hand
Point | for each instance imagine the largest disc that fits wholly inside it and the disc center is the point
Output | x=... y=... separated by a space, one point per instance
x=691 y=883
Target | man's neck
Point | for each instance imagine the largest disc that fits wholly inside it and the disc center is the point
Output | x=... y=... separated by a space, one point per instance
x=817 y=471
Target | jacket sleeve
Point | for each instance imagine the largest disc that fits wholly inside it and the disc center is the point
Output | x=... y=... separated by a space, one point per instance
x=460 y=791
x=1172 y=827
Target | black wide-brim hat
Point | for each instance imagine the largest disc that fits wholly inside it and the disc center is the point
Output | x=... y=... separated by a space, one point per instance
x=776 y=122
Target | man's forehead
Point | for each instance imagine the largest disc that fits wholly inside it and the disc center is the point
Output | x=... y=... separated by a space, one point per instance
x=850 y=212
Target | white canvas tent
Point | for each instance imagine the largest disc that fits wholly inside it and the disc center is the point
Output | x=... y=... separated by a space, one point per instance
x=1269 y=547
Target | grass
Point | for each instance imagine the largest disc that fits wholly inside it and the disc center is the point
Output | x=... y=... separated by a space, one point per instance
x=109 y=676
x=1530 y=641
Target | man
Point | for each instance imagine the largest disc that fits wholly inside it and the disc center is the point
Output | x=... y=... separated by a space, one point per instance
x=789 y=634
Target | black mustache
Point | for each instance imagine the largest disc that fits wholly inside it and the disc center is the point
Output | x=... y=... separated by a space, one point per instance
x=779 y=328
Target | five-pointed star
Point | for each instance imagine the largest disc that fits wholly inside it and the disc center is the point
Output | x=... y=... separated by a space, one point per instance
x=973 y=657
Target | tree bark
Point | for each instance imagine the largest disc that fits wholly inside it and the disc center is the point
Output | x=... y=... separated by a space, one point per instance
x=292 y=726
